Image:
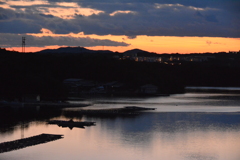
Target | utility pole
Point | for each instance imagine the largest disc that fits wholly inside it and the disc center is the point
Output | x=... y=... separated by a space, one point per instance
x=22 y=129
x=23 y=44
x=22 y=123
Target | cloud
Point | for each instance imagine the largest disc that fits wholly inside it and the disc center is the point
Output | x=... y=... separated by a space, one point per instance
x=121 y=12
x=125 y=17
x=34 y=41
x=46 y=15
x=46 y=31
x=3 y=17
x=170 y=21
x=218 y=43
x=211 y=18
x=63 y=12
x=19 y=26
x=209 y=42
x=221 y=4
x=132 y=37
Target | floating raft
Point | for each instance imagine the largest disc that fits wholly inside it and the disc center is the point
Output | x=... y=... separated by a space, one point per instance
x=42 y=104
x=27 y=142
x=136 y=109
x=71 y=124
x=125 y=111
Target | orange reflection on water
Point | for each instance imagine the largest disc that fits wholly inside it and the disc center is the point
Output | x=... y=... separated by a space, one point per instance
x=150 y=136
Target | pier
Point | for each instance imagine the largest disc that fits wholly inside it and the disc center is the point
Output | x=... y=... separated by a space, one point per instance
x=27 y=142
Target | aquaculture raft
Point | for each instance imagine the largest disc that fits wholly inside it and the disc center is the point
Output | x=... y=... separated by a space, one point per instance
x=26 y=142
x=125 y=111
x=71 y=124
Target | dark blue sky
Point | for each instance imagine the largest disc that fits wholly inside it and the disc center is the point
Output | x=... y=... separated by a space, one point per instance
x=196 y=18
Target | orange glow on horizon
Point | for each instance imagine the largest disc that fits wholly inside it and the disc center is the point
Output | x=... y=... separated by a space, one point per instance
x=32 y=49
x=157 y=44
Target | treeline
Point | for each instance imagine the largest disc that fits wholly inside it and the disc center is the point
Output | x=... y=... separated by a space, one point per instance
x=43 y=74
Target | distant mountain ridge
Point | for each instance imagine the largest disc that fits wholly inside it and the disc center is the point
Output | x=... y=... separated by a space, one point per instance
x=72 y=50
x=79 y=50
x=136 y=51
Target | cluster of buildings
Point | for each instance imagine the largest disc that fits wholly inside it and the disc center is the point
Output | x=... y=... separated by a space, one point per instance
x=142 y=56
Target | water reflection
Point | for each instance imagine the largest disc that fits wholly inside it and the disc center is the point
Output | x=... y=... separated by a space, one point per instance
x=153 y=135
x=178 y=135
x=189 y=102
x=171 y=123
x=12 y=119
x=147 y=136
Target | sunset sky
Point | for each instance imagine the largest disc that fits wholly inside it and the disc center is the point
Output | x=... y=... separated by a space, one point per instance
x=161 y=26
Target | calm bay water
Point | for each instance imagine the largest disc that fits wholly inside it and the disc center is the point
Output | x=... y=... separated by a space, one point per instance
x=183 y=127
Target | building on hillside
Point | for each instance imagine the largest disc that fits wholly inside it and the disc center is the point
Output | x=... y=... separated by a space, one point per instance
x=114 y=87
x=31 y=98
x=77 y=86
x=72 y=81
x=72 y=85
x=148 y=89
x=200 y=58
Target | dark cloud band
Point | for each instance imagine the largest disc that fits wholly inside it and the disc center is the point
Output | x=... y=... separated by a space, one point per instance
x=134 y=17
x=15 y=40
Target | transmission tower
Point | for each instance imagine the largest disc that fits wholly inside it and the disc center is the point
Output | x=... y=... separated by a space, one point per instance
x=23 y=44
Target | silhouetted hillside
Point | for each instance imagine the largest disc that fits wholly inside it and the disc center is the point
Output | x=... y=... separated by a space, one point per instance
x=33 y=73
x=73 y=50
x=139 y=52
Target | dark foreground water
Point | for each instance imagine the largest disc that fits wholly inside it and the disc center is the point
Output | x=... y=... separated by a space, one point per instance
x=183 y=127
